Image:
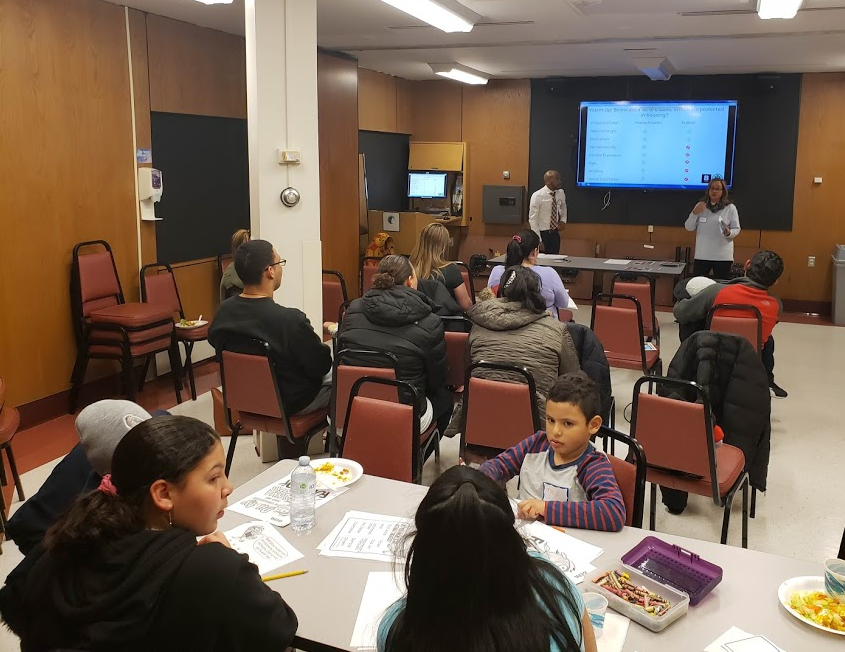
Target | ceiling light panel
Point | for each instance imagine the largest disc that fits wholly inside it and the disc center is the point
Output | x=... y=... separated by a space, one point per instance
x=434 y=14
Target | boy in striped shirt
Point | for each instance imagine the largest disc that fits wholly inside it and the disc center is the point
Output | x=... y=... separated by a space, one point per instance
x=562 y=478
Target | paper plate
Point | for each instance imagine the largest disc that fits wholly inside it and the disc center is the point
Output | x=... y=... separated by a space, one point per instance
x=336 y=472
x=808 y=583
x=197 y=324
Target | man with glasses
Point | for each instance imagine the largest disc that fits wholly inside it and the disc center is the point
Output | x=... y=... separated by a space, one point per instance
x=303 y=363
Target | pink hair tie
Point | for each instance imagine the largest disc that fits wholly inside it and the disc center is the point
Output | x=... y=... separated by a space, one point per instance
x=518 y=239
x=106 y=485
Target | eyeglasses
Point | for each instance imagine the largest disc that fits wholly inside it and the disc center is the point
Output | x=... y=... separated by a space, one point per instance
x=281 y=262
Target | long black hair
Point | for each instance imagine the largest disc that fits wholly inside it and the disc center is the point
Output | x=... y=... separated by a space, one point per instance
x=520 y=284
x=521 y=246
x=472 y=586
x=161 y=448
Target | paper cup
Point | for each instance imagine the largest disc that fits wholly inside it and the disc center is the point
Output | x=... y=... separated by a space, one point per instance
x=834 y=579
x=596 y=608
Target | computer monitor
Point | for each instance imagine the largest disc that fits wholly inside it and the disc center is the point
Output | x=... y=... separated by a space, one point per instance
x=426 y=185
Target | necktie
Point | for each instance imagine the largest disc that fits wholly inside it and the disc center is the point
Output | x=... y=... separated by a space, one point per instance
x=555 y=217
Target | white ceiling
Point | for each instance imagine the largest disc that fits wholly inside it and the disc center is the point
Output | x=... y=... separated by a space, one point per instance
x=564 y=37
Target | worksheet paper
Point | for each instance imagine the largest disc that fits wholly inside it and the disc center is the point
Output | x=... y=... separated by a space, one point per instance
x=571 y=555
x=381 y=591
x=362 y=535
x=737 y=640
x=616 y=261
x=263 y=544
x=553 y=256
x=272 y=503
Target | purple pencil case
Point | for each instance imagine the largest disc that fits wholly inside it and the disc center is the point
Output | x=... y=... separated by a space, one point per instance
x=674 y=566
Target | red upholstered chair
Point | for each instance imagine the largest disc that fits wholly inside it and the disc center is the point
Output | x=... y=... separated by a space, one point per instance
x=347 y=370
x=457 y=351
x=369 y=268
x=677 y=437
x=10 y=419
x=737 y=319
x=383 y=435
x=223 y=261
x=497 y=414
x=565 y=315
x=160 y=289
x=466 y=274
x=630 y=475
x=335 y=297
x=251 y=391
x=641 y=287
x=619 y=328
x=109 y=328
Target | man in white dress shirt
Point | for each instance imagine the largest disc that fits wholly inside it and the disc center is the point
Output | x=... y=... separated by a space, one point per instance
x=547 y=212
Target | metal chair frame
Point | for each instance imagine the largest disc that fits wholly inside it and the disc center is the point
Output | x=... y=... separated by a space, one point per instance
x=658 y=363
x=635 y=276
x=636 y=456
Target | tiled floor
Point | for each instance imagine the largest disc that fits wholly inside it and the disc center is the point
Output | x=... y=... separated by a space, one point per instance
x=801 y=515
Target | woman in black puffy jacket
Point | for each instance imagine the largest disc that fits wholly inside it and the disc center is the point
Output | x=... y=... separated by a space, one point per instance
x=395 y=317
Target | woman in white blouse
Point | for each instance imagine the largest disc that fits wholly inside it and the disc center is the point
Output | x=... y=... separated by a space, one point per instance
x=716 y=223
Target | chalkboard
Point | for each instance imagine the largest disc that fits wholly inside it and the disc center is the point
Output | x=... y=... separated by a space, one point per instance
x=204 y=164
x=764 y=162
x=386 y=161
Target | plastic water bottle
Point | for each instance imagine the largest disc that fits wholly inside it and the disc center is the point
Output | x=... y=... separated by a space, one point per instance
x=303 y=495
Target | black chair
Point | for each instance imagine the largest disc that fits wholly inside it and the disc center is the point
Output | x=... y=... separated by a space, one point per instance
x=634 y=502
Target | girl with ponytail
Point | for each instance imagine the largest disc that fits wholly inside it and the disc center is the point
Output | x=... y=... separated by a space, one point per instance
x=122 y=569
x=488 y=594
x=523 y=250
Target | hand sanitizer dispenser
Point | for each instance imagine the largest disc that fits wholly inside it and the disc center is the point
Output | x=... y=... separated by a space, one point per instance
x=150 y=187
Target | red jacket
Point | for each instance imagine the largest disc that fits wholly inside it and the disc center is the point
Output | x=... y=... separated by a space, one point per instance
x=741 y=290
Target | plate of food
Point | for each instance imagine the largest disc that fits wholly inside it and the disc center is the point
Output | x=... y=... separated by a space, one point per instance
x=191 y=323
x=805 y=599
x=336 y=472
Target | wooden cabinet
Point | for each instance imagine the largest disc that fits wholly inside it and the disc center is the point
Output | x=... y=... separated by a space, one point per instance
x=437 y=156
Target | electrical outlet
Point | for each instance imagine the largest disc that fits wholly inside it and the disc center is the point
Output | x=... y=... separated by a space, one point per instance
x=811 y=261
x=651 y=228
x=506 y=174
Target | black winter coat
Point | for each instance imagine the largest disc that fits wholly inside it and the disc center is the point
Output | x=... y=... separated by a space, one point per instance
x=400 y=321
x=731 y=372
x=593 y=363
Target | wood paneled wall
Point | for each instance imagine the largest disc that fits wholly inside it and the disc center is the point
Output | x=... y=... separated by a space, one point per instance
x=384 y=102
x=437 y=111
x=64 y=92
x=818 y=221
x=195 y=70
x=337 y=91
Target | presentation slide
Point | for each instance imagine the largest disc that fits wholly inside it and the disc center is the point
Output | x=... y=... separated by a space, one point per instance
x=680 y=145
x=426 y=185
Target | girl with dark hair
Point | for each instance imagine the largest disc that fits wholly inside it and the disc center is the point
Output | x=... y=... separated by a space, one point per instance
x=523 y=250
x=122 y=569
x=395 y=317
x=488 y=594
x=517 y=327
x=715 y=221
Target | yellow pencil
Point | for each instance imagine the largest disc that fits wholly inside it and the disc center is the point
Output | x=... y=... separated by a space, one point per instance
x=270 y=578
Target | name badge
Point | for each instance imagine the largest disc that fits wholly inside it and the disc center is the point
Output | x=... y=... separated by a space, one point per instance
x=553 y=493
x=702 y=219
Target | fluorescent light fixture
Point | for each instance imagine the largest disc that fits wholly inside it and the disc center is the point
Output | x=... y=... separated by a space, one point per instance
x=215 y=2
x=778 y=8
x=433 y=13
x=459 y=73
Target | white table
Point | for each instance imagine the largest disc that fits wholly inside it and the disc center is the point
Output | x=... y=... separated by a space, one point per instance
x=326 y=599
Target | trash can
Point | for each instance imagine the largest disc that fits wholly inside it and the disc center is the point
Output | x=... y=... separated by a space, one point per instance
x=839 y=285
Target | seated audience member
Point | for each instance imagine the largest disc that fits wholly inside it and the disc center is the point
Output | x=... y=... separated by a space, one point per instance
x=303 y=362
x=429 y=260
x=761 y=273
x=230 y=282
x=381 y=246
x=517 y=329
x=394 y=317
x=489 y=592
x=523 y=249
x=100 y=427
x=562 y=478
x=122 y=570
